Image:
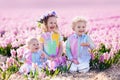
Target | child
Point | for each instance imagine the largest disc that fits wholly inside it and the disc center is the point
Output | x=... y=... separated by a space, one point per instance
x=33 y=57
x=77 y=47
x=51 y=40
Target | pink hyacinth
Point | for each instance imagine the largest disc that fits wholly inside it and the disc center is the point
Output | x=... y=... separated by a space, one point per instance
x=92 y=56
x=9 y=39
x=10 y=61
x=106 y=56
x=3 y=44
x=3 y=67
x=101 y=59
x=51 y=65
x=13 y=53
x=111 y=54
x=63 y=60
x=20 y=52
x=15 y=44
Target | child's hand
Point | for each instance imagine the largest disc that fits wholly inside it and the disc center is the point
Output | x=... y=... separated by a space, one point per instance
x=85 y=44
x=42 y=55
x=49 y=58
x=34 y=65
x=75 y=61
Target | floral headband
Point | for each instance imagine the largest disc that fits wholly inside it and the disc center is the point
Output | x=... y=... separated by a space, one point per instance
x=43 y=17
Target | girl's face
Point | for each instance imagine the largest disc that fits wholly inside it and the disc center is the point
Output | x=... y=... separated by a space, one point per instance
x=52 y=24
x=34 y=46
x=80 y=28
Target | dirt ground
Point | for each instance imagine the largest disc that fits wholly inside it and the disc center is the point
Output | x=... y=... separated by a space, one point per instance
x=113 y=73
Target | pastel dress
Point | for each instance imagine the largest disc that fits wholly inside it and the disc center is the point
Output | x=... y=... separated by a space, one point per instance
x=75 y=51
x=51 y=44
x=32 y=58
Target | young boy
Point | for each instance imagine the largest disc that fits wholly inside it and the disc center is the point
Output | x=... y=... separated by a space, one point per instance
x=77 y=46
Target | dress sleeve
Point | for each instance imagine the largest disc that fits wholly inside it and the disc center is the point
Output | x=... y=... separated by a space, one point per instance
x=92 y=45
x=68 y=50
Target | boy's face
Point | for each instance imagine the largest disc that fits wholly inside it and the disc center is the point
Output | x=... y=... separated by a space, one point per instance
x=80 y=28
x=52 y=24
x=34 y=46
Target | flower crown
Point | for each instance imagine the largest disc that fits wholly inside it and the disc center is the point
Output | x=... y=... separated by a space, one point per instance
x=45 y=16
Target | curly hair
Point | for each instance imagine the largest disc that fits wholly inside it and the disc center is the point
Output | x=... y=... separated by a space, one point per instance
x=76 y=20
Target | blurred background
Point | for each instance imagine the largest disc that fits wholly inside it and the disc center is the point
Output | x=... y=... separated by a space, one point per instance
x=75 y=7
x=21 y=16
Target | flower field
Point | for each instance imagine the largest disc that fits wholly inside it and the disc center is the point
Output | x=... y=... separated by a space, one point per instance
x=16 y=28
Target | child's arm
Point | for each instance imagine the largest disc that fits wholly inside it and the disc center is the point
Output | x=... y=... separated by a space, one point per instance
x=85 y=44
x=60 y=48
x=41 y=47
x=44 y=52
x=89 y=43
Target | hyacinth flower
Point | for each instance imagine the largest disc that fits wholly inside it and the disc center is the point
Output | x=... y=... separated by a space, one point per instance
x=25 y=70
x=64 y=65
x=2 y=32
x=106 y=56
x=92 y=55
x=3 y=44
x=49 y=68
x=3 y=67
x=63 y=60
x=111 y=54
x=10 y=61
x=51 y=65
x=101 y=59
x=20 y=53
x=13 y=53
x=60 y=61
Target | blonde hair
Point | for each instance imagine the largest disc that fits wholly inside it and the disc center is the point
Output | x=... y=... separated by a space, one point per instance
x=78 y=19
x=29 y=40
x=44 y=28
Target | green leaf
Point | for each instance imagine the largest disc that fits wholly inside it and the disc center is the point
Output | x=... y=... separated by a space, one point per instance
x=3 y=75
x=56 y=72
x=69 y=66
x=12 y=69
x=64 y=69
x=47 y=72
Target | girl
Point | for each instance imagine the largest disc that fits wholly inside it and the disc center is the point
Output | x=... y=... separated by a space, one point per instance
x=51 y=40
x=77 y=47
x=33 y=57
